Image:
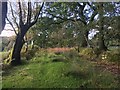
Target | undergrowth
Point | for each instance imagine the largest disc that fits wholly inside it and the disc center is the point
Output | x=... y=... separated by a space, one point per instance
x=64 y=70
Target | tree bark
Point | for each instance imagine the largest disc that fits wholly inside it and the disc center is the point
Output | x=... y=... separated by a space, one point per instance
x=16 y=57
x=23 y=28
x=84 y=42
x=101 y=43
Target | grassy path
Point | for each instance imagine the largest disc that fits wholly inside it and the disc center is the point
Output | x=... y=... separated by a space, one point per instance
x=48 y=70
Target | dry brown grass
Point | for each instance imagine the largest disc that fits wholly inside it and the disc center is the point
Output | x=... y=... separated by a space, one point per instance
x=58 y=49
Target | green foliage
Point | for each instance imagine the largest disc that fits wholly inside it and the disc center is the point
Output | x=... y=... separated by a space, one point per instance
x=70 y=55
x=4 y=55
x=97 y=51
x=88 y=53
x=8 y=59
x=30 y=52
x=66 y=69
x=4 y=43
x=112 y=56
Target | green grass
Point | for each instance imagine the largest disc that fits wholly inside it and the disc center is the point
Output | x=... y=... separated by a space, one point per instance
x=43 y=72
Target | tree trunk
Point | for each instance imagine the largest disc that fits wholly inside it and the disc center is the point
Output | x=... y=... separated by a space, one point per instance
x=101 y=43
x=23 y=27
x=84 y=42
x=16 y=57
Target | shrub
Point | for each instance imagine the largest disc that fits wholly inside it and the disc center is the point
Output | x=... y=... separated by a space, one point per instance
x=88 y=53
x=30 y=52
x=97 y=51
x=71 y=54
x=4 y=55
x=36 y=47
x=113 y=56
x=9 y=57
x=58 y=53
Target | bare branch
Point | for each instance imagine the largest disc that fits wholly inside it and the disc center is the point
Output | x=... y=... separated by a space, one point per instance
x=81 y=6
x=93 y=15
x=37 y=15
x=20 y=14
x=29 y=13
x=14 y=18
x=12 y=26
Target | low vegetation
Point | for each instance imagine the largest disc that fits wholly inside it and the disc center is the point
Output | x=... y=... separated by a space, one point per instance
x=52 y=70
x=61 y=45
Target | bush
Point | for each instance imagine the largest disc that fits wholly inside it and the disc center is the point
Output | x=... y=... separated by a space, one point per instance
x=8 y=59
x=71 y=54
x=4 y=55
x=97 y=51
x=113 y=56
x=30 y=52
x=88 y=53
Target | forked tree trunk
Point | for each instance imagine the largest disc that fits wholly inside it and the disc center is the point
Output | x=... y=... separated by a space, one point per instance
x=23 y=28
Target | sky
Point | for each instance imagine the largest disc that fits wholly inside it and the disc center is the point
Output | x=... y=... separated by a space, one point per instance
x=7 y=32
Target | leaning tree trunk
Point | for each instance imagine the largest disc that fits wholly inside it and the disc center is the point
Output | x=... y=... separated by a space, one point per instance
x=16 y=57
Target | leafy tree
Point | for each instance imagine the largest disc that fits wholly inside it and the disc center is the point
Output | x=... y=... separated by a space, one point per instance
x=105 y=23
x=74 y=12
x=113 y=32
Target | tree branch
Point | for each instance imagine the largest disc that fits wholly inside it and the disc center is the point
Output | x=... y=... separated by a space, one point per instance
x=66 y=19
x=93 y=15
x=95 y=12
x=37 y=15
x=12 y=26
x=81 y=6
x=29 y=13
x=20 y=14
x=14 y=18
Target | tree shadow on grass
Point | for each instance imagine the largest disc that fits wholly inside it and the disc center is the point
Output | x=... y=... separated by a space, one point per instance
x=76 y=74
x=58 y=59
